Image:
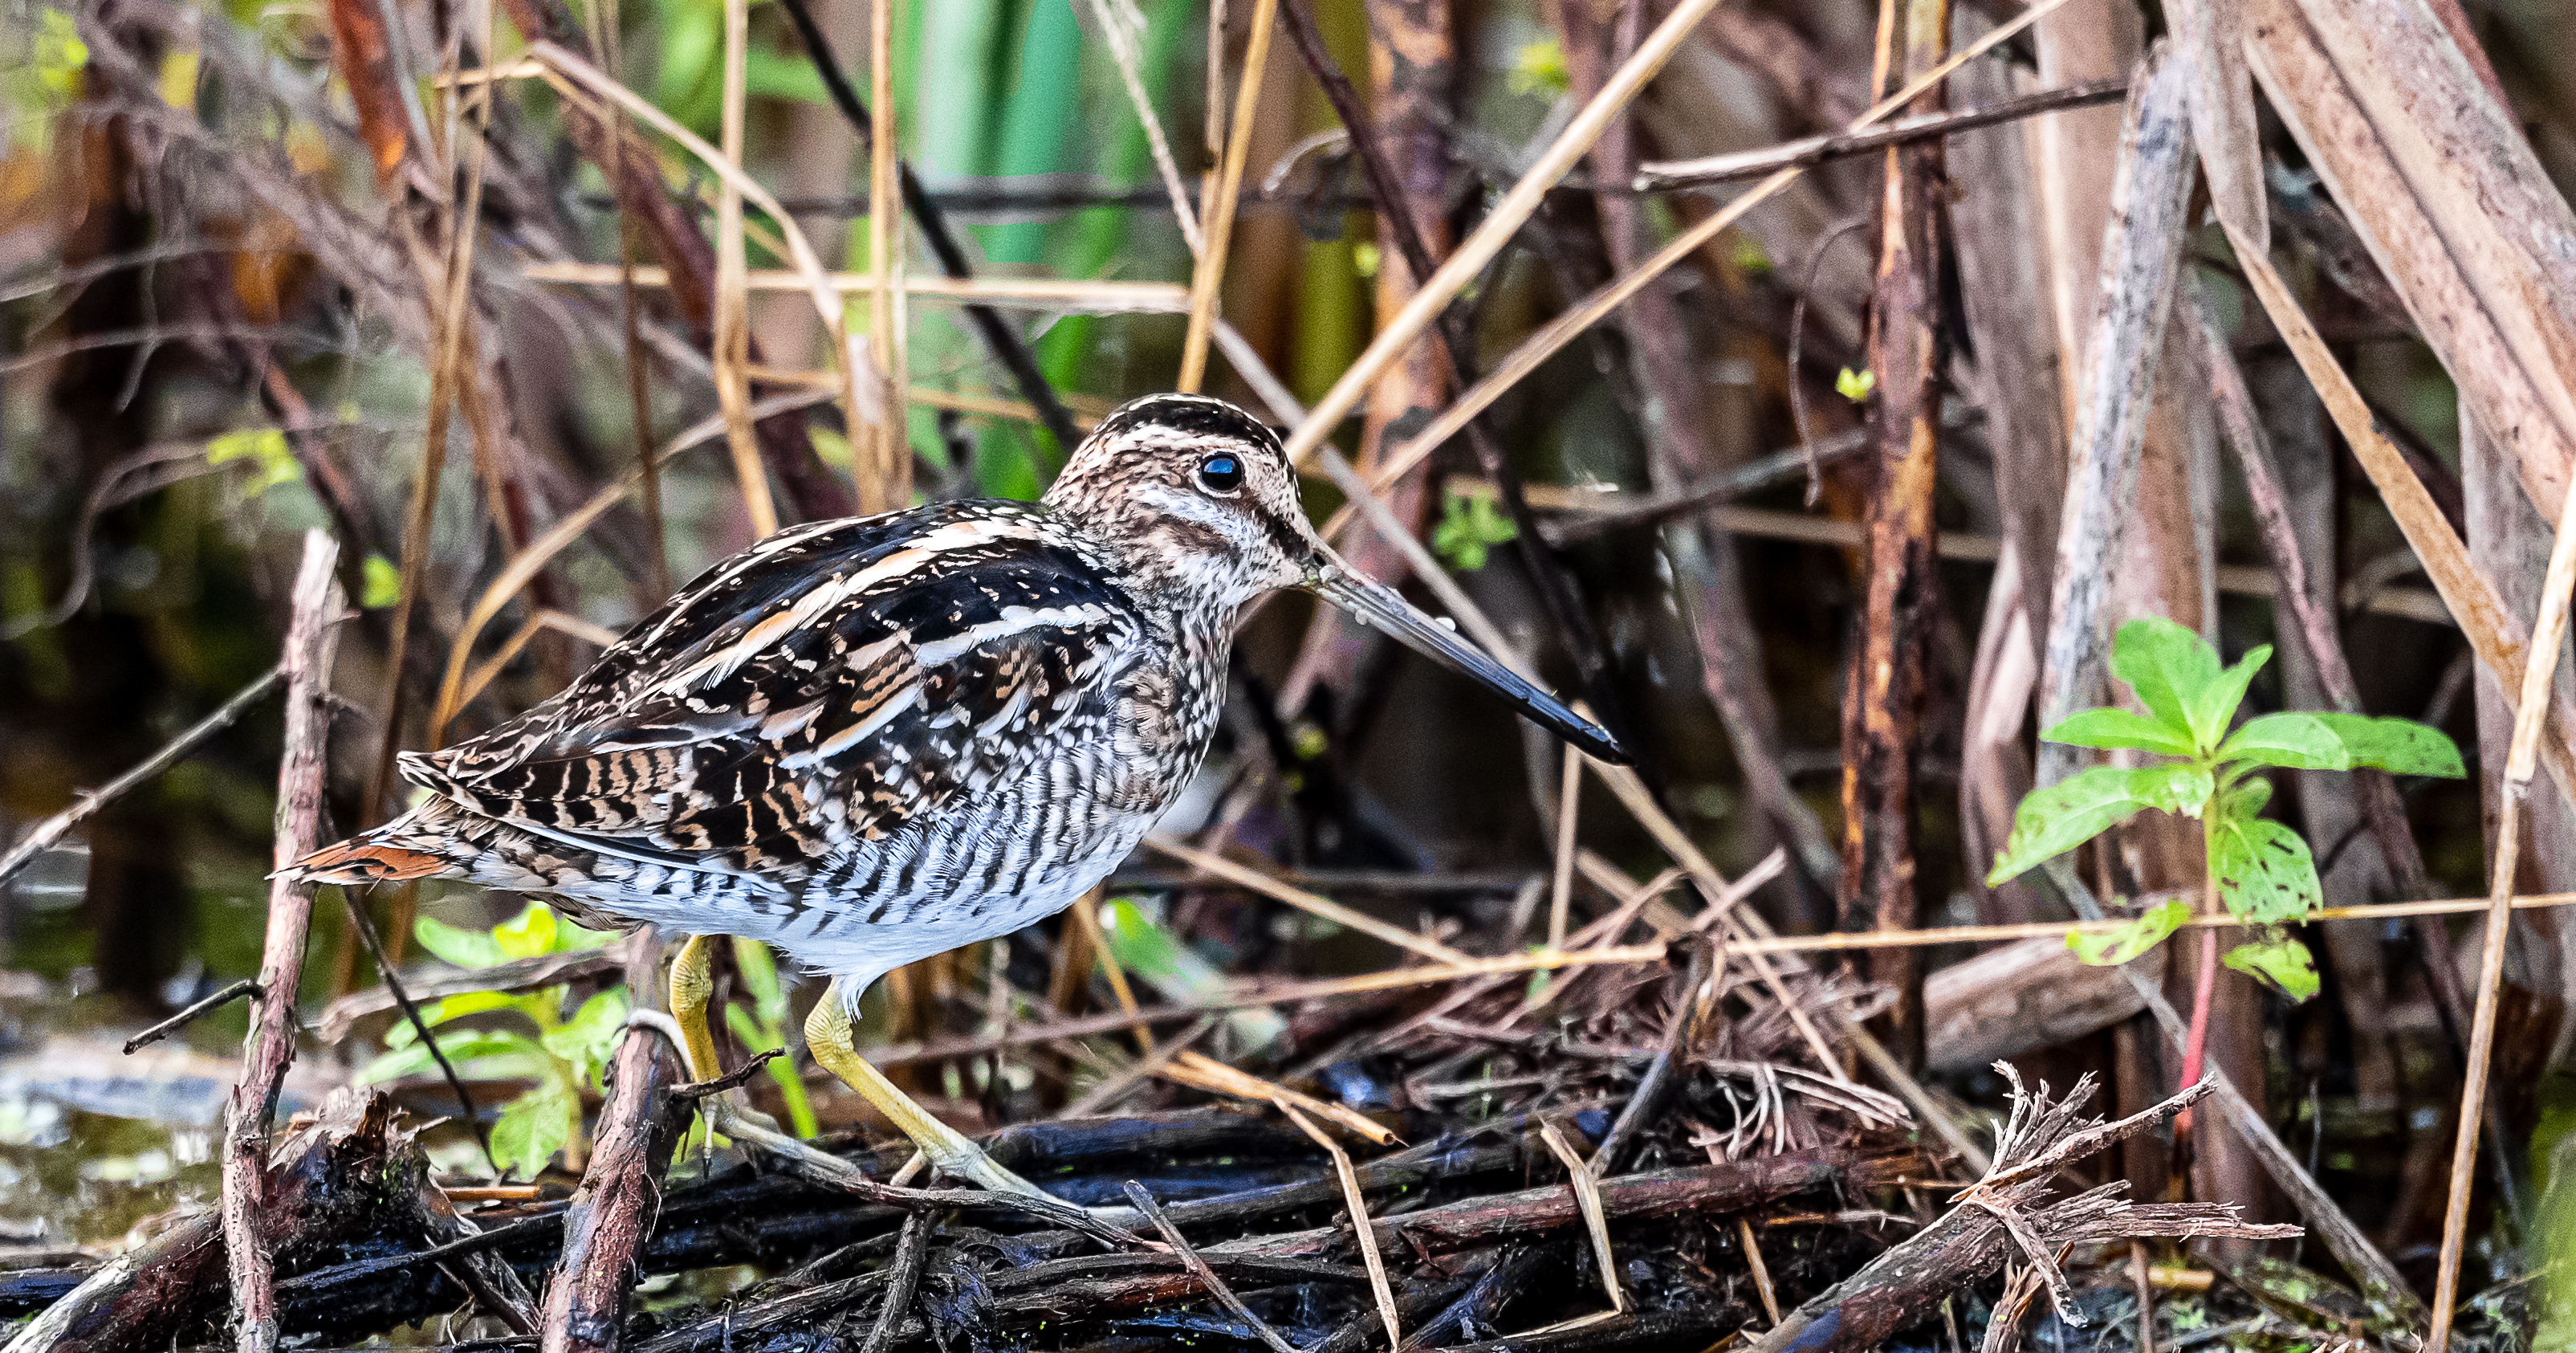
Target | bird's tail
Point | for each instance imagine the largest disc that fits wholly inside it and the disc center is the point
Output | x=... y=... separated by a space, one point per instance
x=418 y=844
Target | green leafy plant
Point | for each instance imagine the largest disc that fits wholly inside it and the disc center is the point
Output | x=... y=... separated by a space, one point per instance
x=1470 y=525
x=2258 y=869
x=563 y=1053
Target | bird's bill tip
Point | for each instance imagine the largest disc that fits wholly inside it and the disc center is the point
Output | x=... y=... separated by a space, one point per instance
x=1373 y=604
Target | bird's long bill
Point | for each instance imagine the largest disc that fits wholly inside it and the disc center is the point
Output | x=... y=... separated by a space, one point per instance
x=1373 y=604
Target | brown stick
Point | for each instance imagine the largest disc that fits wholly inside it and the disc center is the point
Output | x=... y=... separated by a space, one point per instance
x=1883 y=704
x=1809 y=151
x=613 y=1210
x=270 y=1045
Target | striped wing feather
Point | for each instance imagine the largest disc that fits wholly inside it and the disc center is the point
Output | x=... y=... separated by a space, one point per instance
x=831 y=684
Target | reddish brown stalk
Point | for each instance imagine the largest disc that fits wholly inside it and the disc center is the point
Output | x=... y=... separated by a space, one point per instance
x=615 y=1207
x=1883 y=707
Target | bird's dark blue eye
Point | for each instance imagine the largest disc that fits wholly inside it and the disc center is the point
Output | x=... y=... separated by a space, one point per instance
x=1221 y=473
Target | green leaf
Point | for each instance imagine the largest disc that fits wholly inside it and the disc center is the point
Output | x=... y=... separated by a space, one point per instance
x=2281 y=963
x=2264 y=871
x=2065 y=815
x=531 y=934
x=2397 y=746
x=2213 y=706
x=464 y=948
x=2182 y=787
x=2118 y=729
x=2110 y=949
x=2297 y=741
x=265 y=448
x=2166 y=665
x=1149 y=951
x=461 y=1005
x=491 y=1052
x=587 y=1037
x=758 y=969
x=533 y=1127
x=1539 y=68
x=1469 y=523
x=381 y=583
x=1855 y=385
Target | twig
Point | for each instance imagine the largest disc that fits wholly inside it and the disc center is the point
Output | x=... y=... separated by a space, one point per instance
x=1198 y=1267
x=248 y=986
x=730 y=348
x=1809 y=151
x=1217 y=229
x=998 y=337
x=269 y=1046
x=613 y=1211
x=890 y=486
x=911 y=1254
x=43 y=835
x=697 y=1090
x=1761 y=1271
x=364 y=926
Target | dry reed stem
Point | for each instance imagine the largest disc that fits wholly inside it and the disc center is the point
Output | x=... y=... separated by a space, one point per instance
x=1357 y=1204
x=889 y=485
x=1398 y=333
x=1207 y=279
x=1086 y=914
x=731 y=347
x=2493 y=631
x=1243 y=876
x=1534 y=350
x=1587 y=1200
x=1761 y=1271
x=1200 y=1071
x=1561 y=887
x=2530 y=712
x=1114 y=17
x=569 y=73
x=1055 y=293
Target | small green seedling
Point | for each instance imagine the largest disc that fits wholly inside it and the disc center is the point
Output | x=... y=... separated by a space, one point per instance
x=1470 y=525
x=2260 y=870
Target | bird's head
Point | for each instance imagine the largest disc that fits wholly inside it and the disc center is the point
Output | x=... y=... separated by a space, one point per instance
x=1199 y=497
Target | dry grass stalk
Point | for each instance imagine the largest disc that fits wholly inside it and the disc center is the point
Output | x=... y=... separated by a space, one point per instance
x=1356 y=1203
x=1397 y=334
x=1536 y=349
x=2530 y=712
x=1054 y=293
x=885 y=479
x=1761 y=1271
x=1561 y=885
x=578 y=79
x=731 y=348
x=1202 y=1072
x=1120 y=21
x=1587 y=1197
x=1086 y=916
x=1241 y=876
x=524 y=566
x=1207 y=279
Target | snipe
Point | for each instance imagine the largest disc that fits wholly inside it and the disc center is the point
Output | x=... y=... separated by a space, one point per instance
x=869 y=741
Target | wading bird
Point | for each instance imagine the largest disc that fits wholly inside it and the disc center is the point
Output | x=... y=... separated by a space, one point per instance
x=869 y=741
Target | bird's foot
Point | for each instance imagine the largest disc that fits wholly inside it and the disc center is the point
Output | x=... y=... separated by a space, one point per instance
x=757 y=1131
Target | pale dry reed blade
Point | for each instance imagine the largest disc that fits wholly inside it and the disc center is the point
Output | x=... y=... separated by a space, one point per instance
x=732 y=343
x=574 y=76
x=2531 y=711
x=886 y=482
x=1207 y=280
x=1053 y=293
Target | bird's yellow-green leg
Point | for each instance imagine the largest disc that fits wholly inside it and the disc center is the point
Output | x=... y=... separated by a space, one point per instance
x=692 y=987
x=827 y=1036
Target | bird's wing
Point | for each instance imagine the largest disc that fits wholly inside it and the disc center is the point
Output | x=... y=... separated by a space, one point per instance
x=807 y=694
